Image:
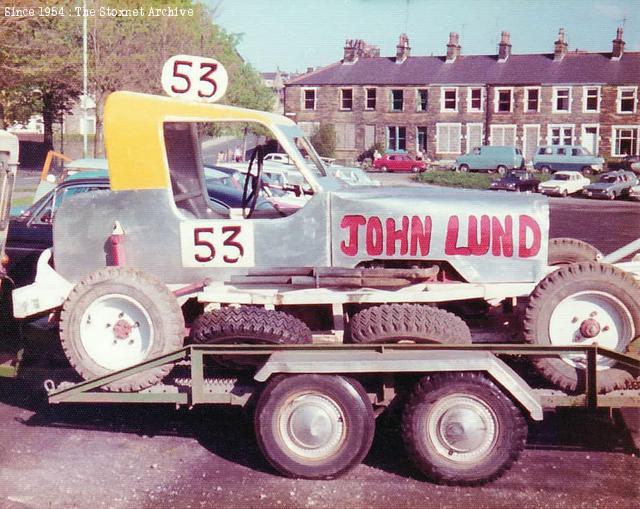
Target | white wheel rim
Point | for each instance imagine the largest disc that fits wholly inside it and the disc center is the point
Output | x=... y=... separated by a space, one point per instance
x=462 y=428
x=591 y=317
x=116 y=331
x=312 y=426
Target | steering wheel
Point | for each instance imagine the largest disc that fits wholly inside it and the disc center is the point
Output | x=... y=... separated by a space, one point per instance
x=252 y=185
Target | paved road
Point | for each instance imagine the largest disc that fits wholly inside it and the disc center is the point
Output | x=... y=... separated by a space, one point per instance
x=125 y=457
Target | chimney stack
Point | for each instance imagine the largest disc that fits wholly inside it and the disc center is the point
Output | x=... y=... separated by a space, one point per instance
x=560 y=48
x=350 y=51
x=453 y=48
x=402 y=49
x=618 y=46
x=504 y=48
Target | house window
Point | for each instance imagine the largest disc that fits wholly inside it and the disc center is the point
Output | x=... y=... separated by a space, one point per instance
x=625 y=141
x=532 y=99
x=346 y=99
x=503 y=135
x=627 y=99
x=448 y=138
x=396 y=138
x=449 y=99
x=421 y=138
x=591 y=99
x=474 y=99
x=397 y=100
x=503 y=100
x=474 y=136
x=371 y=99
x=561 y=100
x=561 y=135
x=309 y=99
x=422 y=100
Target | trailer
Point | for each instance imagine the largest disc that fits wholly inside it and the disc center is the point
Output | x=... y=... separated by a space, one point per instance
x=465 y=414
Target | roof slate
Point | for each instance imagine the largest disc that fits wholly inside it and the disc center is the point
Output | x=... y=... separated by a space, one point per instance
x=535 y=69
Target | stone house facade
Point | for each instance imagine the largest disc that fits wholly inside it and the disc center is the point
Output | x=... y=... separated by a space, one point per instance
x=449 y=104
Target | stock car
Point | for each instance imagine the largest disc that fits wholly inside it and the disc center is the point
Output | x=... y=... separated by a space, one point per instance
x=516 y=180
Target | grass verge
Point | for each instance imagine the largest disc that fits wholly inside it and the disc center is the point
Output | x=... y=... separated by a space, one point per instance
x=447 y=178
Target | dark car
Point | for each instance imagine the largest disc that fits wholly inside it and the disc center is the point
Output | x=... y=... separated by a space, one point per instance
x=628 y=163
x=516 y=181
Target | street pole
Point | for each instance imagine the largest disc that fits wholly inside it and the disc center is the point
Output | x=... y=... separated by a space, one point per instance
x=85 y=141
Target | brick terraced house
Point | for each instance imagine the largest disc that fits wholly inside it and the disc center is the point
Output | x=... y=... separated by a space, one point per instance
x=446 y=105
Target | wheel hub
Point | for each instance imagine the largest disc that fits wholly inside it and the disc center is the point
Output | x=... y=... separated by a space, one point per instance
x=589 y=328
x=311 y=426
x=122 y=329
x=463 y=429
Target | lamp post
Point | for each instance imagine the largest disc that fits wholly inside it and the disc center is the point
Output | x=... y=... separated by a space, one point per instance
x=85 y=141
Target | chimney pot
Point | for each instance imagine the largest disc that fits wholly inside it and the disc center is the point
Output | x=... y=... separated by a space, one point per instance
x=560 y=46
x=402 y=49
x=453 y=48
x=618 y=45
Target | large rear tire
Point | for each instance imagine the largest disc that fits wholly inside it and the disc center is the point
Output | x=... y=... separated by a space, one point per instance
x=460 y=429
x=390 y=323
x=119 y=317
x=584 y=303
x=314 y=426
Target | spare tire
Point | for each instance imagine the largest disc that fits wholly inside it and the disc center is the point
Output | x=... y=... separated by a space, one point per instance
x=563 y=251
x=584 y=303
x=119 y=317
x=390 y=323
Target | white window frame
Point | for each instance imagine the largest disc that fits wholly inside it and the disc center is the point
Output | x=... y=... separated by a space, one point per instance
x=457 y=101
x=561 y=126
x=426 y=138
x=448 y=124
x=613 y=138
x=342 y=108
x=496 y=96
x=397 y=130
x=525 y=106
x=366 y=99
x=583 y=131
x=315 y=98
x=391 y=91
x=524 y=135
x=554 y=99
x=482 y=100
x=492 y=127
x=418 y=102
x=474 y=124
x=619 y=100
x=584 y=98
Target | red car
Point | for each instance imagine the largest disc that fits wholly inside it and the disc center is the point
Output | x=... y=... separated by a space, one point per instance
x=399 y=162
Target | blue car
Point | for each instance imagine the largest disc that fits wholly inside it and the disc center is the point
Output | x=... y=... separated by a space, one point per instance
x=552 y=158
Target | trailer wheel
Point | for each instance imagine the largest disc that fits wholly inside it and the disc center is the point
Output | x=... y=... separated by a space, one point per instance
x=460 y=429
x=390 y=323
x=116 y=318
x=563 y=251
x=314 y=426
x=584 y=303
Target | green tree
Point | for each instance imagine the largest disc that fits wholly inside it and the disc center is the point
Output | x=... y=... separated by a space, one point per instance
x=324 y=140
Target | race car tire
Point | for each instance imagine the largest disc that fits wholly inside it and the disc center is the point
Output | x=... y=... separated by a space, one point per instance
x=119 y=317
x=461 y=429
x=583 y=303
x=390 y=323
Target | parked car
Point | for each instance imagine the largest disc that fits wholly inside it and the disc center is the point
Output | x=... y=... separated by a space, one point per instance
x=564 y=183
x=629 y=163
x=489 y=158
x=353 y=176
x=276 y=157
x=612 y=185
x=634 y=193
x=516 y=180
x=552 y=158
x=399 y=162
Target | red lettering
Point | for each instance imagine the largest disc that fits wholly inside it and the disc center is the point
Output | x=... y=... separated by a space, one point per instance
x=420 y=235
x=373 y=237
x=393 y=235
x=528 y=223
x=502 y=238
x=479 y=247
x=451 y=241
x=352 y=223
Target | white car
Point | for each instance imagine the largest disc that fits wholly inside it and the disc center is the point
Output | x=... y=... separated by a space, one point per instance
x=563 y=183
x=353 y=176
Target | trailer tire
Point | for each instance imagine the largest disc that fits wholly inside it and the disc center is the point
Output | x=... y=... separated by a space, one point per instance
x=583 y=303
x=563 y=251
x=314 y=426
x=118 y=317
x=460 y=429
x=390 y=323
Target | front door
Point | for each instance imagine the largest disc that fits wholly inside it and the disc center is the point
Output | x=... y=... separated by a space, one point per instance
x=590 y=139
x=531 y=140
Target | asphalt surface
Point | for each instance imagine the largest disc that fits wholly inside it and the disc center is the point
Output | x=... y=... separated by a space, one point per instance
x=153 y=456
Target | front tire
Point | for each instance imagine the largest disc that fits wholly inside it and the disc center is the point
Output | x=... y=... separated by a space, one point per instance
x=501 y=169
x=583 y=303
x=390 y=323
x=460 y=429
x=314 y=426
x=384 y=169
x=545 y=169
x=463 y=168
x=116 y=318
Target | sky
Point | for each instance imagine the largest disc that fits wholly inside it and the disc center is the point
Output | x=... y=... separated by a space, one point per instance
x=293 y=35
